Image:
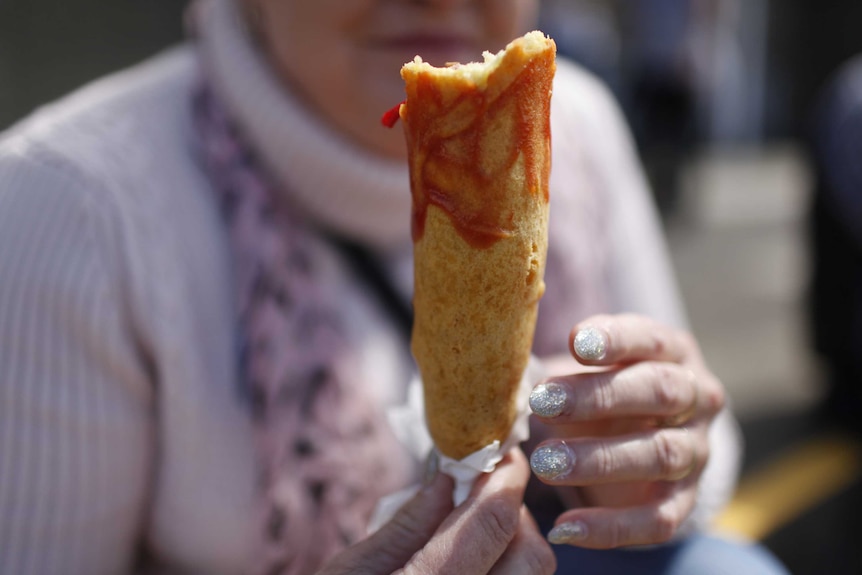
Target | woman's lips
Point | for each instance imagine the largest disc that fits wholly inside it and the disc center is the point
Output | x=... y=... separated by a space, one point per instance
x=436 y=49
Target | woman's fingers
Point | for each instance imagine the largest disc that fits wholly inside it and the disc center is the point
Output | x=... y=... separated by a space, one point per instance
x=607 y=528
x=662 y=390
x=626 y=338
x=389 y=548
x=528 y=552
x=626 y=421
x=661 y=455
x=477 y=533
x=491 y=532
x=652 y=371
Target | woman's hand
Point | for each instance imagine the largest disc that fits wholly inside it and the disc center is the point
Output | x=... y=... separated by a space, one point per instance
x=491 y=532
x=631 y=431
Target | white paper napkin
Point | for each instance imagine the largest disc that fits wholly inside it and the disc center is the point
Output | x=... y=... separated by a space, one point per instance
x=408 y=423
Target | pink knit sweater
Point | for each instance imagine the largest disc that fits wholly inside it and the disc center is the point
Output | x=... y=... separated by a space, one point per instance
x=124 y=445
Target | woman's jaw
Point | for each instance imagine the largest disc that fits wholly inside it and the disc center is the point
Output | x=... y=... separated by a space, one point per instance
x=342 y=58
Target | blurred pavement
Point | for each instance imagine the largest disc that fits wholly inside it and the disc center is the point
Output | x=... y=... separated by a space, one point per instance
x=738 y=243
x=738 y=240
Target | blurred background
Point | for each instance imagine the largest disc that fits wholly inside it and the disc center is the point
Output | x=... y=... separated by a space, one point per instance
x=729 y=104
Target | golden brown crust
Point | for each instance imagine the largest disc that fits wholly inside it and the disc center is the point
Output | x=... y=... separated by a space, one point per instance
x=479 y=149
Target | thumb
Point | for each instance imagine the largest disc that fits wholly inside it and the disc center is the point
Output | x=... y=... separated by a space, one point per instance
x=412 y=526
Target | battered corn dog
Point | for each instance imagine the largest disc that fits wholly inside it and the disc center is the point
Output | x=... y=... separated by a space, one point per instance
x=478 y=137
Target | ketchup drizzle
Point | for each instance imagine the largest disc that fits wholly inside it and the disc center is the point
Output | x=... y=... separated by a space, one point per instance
x=390 y=118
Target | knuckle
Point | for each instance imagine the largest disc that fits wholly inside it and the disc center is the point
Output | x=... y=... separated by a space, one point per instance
x=498 y=521
x=540 y=559
x=618 y=534
x=670 y=460
x=407 y=521
x=667 y=392
x=715 y=398
x=659 y=344
x=604 y=461
x=665 y=524
x=604 y=399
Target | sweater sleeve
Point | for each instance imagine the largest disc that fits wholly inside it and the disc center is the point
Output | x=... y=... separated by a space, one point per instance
x=75 y=392
x=640 y=275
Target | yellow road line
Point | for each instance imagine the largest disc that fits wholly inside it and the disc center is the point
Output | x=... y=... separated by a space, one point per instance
x=789 y=485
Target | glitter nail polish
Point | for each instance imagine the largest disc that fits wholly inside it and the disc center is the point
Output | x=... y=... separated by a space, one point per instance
x=552 y=461
x=432 y=466
x=591 y=344
x=548 y=399
x=567 y=533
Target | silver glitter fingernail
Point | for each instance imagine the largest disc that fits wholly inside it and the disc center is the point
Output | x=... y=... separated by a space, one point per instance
x=591 y=344
x=552 y=461
x=548 y=399
x=432 y=467
x=567 y=533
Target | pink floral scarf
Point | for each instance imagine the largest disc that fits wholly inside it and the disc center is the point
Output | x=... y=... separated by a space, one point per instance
x=326 y=452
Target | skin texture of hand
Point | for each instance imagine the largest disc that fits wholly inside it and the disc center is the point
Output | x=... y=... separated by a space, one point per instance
x=629 y=429
x=491 y=532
